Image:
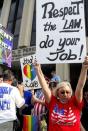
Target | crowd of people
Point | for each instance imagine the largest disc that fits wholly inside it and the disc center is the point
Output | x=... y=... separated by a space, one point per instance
x=55 y=104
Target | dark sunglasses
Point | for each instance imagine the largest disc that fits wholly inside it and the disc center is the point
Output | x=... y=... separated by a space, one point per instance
x=63 y=92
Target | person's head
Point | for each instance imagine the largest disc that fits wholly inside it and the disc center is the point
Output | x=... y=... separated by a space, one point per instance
x=14 y=82
x=8 y=76
x=53 y=72
x=55 y=77
x=52 y=85
x=63 y=91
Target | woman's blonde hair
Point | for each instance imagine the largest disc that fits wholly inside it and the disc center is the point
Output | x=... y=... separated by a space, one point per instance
x=62 y=84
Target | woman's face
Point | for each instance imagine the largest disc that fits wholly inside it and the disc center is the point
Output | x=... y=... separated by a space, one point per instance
x=64 y=93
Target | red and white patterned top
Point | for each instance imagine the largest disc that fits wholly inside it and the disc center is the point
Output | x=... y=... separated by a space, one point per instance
x=64 y=117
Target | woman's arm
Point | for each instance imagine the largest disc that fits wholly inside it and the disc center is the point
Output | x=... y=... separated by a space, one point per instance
x=81 y=81
x=43 y=83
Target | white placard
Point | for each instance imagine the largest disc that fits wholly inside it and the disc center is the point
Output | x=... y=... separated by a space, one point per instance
x=30 y=79
x=60 y=31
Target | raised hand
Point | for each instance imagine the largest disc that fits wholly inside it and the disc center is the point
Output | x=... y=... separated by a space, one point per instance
x=85 y=63
x=37 y=66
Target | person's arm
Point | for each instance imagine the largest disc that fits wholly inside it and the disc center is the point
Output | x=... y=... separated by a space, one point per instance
x=81 y=81
x=37 y=100
x=43 y=83
x=21 y=89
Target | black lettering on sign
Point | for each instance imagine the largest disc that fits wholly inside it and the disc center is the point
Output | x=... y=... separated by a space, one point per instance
x=32 y=84
x=72 y=26
x=51 y=12
x=67 y=42
x=81 y=50
x=49 y=27
x=61 y=55
x=28 y=61
x=47 y=43
x=77 y=3
x=74 y=23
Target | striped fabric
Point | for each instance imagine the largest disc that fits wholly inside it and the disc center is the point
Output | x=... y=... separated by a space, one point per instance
x=63 y=116
x=39 y=109
x=30 y=123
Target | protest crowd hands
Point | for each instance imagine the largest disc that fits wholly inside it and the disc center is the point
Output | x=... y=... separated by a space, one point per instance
x=37 y=66
x=85 y=63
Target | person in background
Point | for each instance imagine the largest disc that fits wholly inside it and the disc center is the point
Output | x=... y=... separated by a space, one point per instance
x=30 y=101
x=14 y=82
x=43 y=124
x=9 y=98
x=55 y=77
x=52 y=86
x=84 y=116
x=64 y=109
x=40 y=109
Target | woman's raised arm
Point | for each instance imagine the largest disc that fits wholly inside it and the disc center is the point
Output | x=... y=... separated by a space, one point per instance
x=43 y=83
x=82 y=80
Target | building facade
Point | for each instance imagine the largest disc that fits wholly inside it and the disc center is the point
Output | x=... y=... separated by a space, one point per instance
x=19 y=17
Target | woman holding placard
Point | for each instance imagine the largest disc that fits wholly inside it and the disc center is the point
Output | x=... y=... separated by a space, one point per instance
x=64 y=109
